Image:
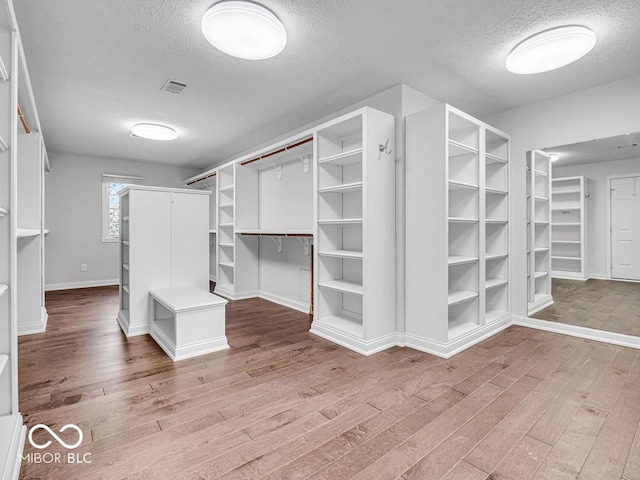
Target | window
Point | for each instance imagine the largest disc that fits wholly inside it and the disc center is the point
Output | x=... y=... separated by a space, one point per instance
x=111 y=186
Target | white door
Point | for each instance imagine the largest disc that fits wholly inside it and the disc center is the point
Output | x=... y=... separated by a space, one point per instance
x=625 y=228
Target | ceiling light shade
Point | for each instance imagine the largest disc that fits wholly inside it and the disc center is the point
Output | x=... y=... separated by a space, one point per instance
x=551 y=49
x=244 y=30
x=153 y=131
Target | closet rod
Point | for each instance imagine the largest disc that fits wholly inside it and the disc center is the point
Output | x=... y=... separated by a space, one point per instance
x=283 y=149
x=278 y=234
x=203 y=178
x=25 y=125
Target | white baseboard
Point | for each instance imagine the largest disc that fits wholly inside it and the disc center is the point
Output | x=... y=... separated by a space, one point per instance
x=70 y=286
x=35 y=327
x=598 y=276
x=541 y=304
x=569 y=276
x=190 y=350
x=363 y=347
x=131 y=330
x=581 y=332
x=285 y=302
x=449 y=349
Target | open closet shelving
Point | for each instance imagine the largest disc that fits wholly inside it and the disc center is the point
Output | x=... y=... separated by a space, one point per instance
x=23 y=162
x=457 y=230
x=538 y=230
x=569 y=250
x=355 y=216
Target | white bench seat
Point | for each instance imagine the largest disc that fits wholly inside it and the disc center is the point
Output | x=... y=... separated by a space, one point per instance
x=188 y=321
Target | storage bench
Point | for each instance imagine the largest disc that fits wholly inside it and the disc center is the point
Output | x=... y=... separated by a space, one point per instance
x=188 y=321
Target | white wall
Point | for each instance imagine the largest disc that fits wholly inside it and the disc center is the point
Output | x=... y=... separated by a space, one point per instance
x=288 y=202
x=604 y=111
x=73 y=199
x=596 y=205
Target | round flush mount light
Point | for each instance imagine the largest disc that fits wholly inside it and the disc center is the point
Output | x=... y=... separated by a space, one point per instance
x=551 y=49
x=554 y=157
x=153 y=131
x=244 y=30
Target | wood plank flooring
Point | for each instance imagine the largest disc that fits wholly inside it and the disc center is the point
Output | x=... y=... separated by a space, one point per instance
x=602 y=304
x=284 y=404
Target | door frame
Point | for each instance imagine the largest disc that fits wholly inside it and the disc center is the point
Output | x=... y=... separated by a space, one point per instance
x=607 y=194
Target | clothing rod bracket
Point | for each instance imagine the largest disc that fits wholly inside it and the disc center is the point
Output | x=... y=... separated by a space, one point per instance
x=305 y=242
x=278 y=242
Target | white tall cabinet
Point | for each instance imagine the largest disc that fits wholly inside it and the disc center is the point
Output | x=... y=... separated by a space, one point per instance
x=538 y=230
x=163 y=243
x=569 y=250
x=355 y=231
x=457 y=230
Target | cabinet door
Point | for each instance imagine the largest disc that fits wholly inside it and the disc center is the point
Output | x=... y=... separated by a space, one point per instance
x=189 y=240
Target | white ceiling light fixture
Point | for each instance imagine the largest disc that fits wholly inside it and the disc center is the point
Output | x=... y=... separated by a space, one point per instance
x=554 y=157
x=153 y=131
x=551 y=49
x=244 y=30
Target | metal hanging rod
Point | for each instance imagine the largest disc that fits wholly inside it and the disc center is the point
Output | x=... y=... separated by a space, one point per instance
x=23 y=120
x=276 y=152
x=203 y=178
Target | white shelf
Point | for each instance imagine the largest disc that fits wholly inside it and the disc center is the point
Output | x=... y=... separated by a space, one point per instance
x=125 y=266
x=341 y=221
x=463 y=220
x=3 y=212
x=342 y=286
x=561 y=209
x=456 y=185
x=224 y=189
x=126 y=288
x=460 y=296
x=541 y=173
x=566 y=258
x=541 y=249
x=212 y=232
x=27 y=232
x=227 y=245
x=495 y=256
x=494 y=283
x=344 y=188
x=341 y=254
x=275 y=232
x=493 y=315
x=566 y=224
x=227 y=264
x=460 y=327
x=350 y=324
x=495 y=221
x=457 y=149
x=344 y=158
x=541 y=222
x=3 y=289
x=567 y=242
x=490 y=158
x=495 y=191
x=4 y=359
x=460 y=259
x=540 y=274
x=225 y=225
x=542 y=199
x=226 y=205
x=562 y=192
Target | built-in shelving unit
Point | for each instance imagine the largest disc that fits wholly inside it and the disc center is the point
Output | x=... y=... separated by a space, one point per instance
x=163 y=244
x=569 y=250
x=354 y=259
x=457 y=229
x=538 y=230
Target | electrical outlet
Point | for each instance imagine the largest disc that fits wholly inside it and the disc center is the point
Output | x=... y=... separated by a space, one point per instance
x=83 y=267
x=592 y=261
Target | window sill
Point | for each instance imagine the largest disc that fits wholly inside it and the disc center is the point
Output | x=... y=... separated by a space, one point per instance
x=110 y=240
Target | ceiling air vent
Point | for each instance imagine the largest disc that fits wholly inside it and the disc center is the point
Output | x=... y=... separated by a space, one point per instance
x=172 y=86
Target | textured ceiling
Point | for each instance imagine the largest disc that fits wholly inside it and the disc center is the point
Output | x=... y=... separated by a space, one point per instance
x=620 y=147
x=97 y=66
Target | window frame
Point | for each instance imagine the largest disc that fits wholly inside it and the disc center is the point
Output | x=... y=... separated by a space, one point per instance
x=108 y=179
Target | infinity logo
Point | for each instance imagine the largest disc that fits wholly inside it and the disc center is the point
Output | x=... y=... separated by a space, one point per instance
x=53 y=434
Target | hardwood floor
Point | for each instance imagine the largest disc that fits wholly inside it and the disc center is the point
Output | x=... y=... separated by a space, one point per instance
x=602 y=304
x=284 y=404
